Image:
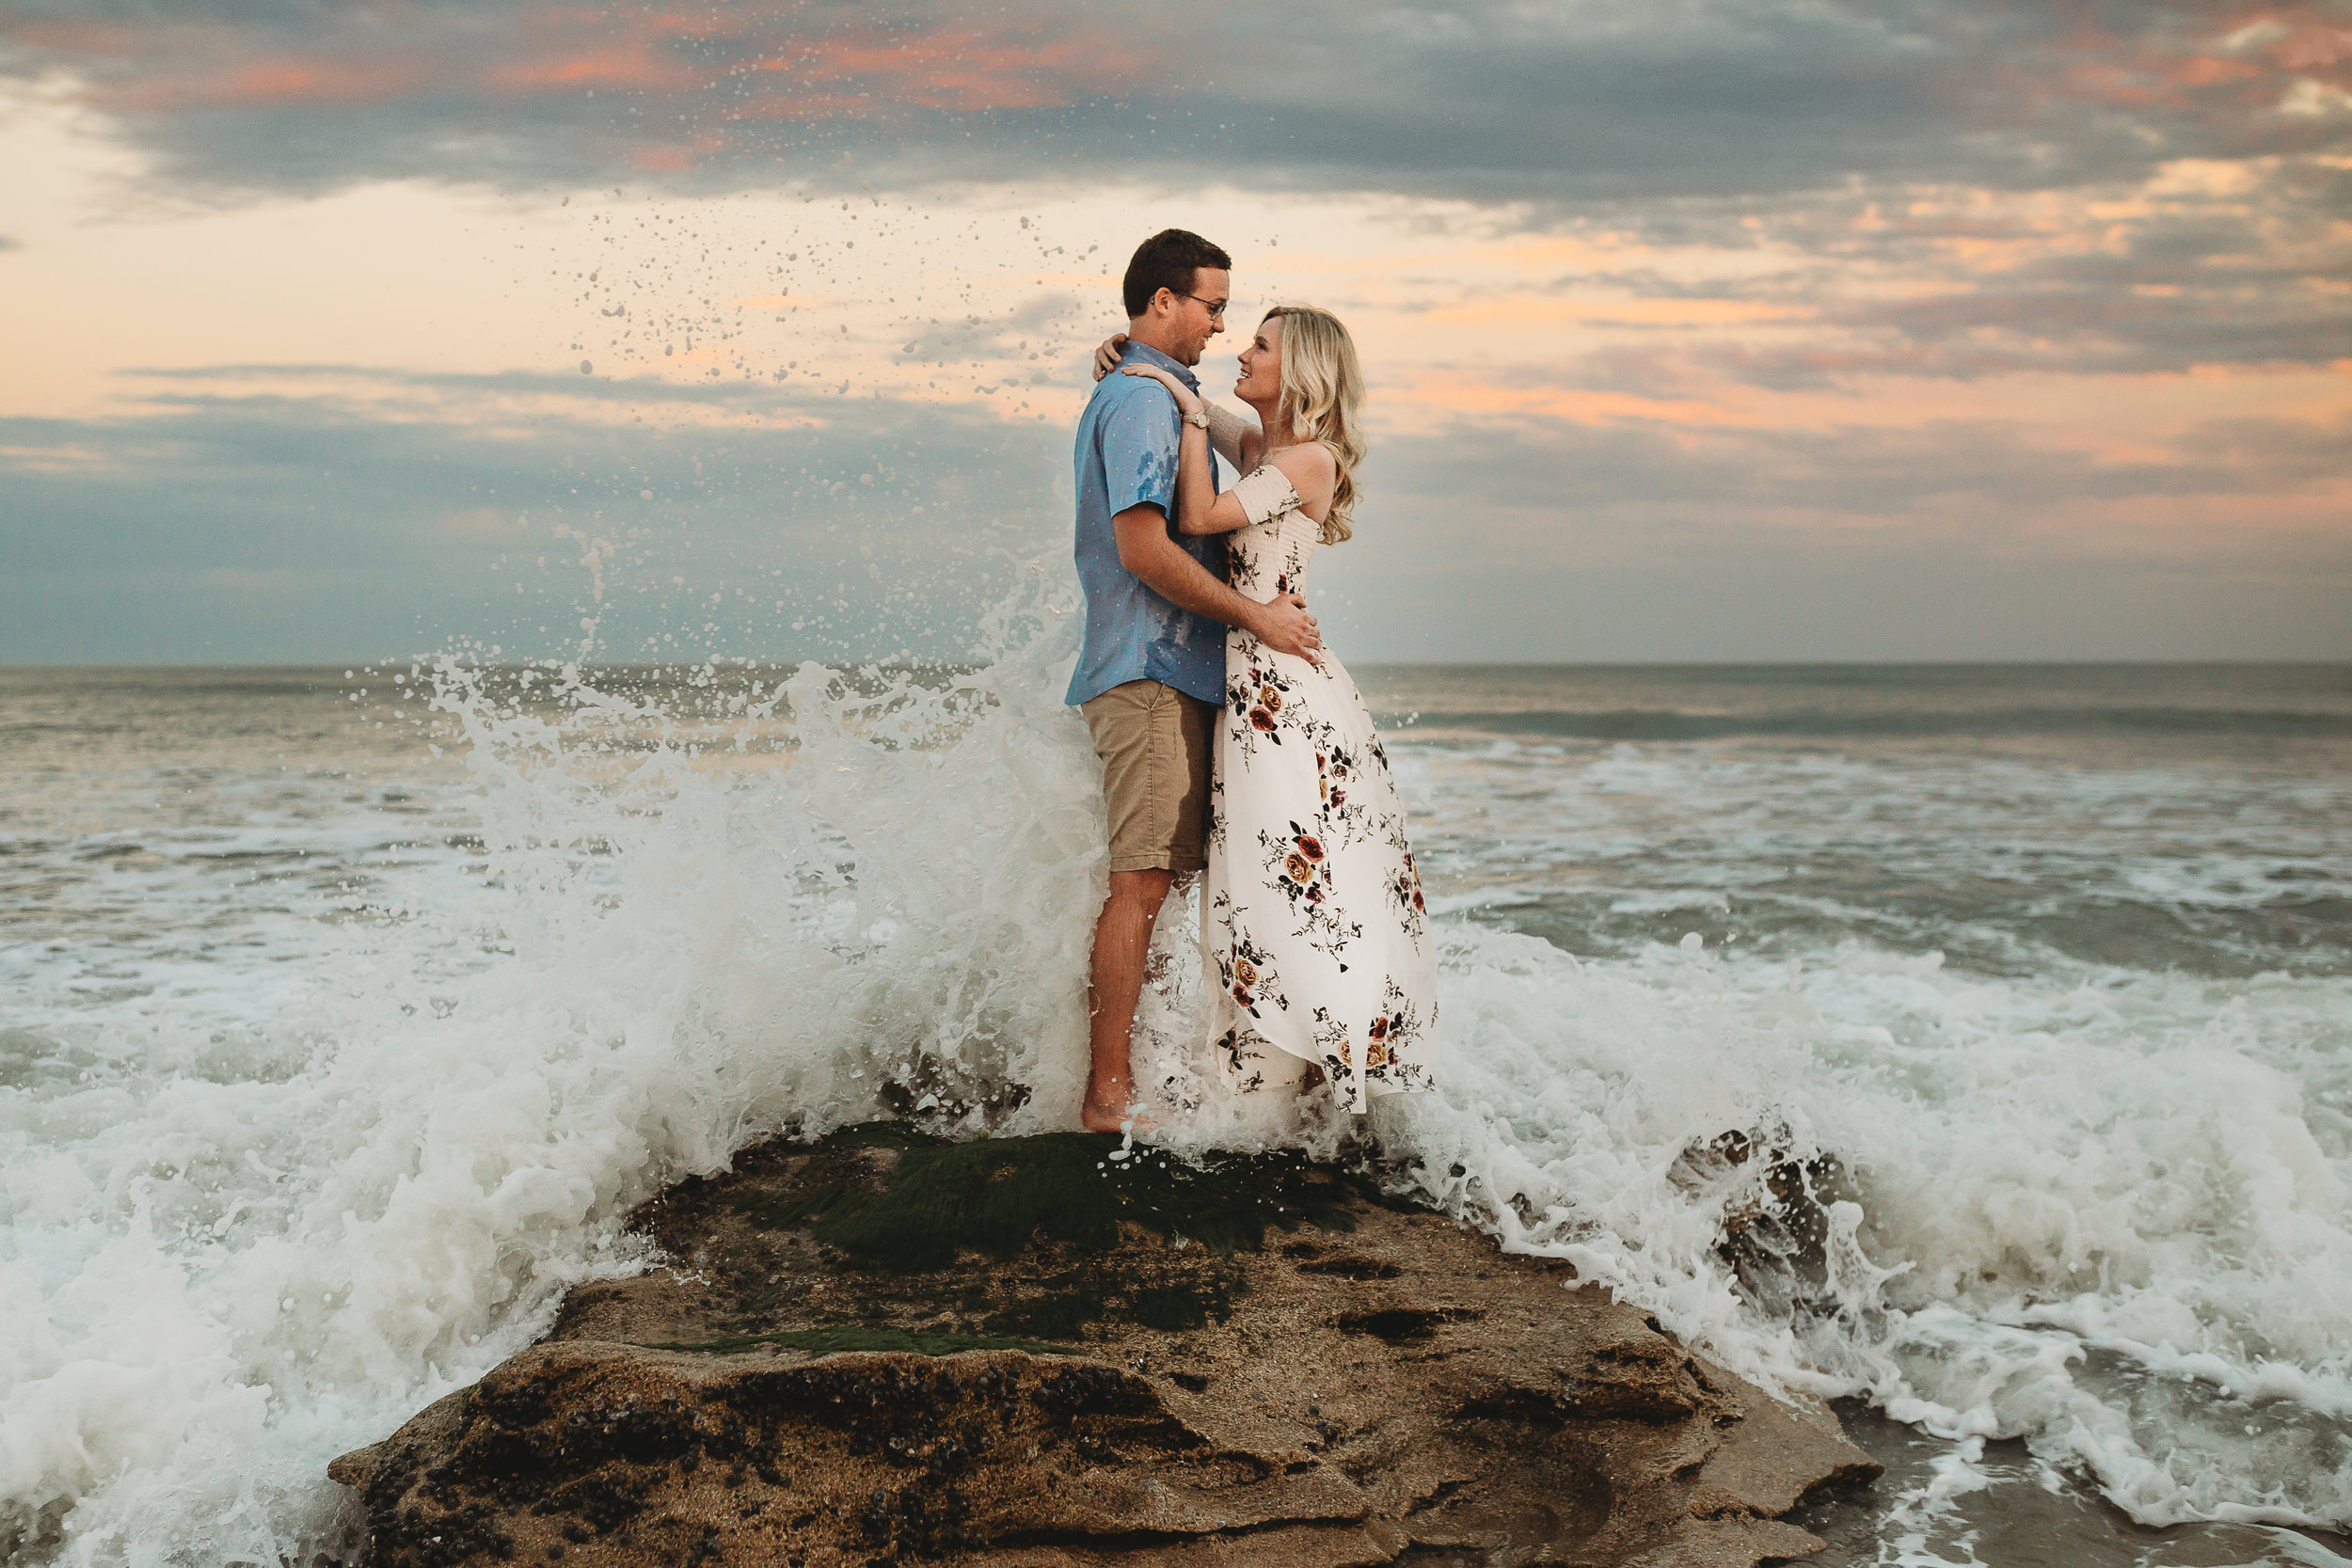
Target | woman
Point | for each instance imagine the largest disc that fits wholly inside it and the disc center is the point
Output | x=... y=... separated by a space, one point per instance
x=1318 y=940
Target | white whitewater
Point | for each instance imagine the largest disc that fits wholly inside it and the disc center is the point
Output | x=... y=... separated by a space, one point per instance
x=287 y=1152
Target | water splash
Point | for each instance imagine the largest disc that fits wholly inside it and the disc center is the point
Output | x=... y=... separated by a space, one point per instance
x=691 y=907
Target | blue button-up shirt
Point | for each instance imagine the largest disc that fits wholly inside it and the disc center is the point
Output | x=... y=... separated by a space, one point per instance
x=1126 y=456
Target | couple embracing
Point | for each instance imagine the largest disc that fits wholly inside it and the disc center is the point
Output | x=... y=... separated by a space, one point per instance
x=1234 y=746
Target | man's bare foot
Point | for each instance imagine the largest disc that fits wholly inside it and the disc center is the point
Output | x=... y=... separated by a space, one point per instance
x=1126 y=1118
x=1115 y=1107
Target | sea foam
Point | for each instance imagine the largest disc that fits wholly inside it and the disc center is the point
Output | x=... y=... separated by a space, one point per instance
x=260 y=1211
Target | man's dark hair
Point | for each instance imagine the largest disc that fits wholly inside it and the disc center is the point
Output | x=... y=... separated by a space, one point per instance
x=1166 y=260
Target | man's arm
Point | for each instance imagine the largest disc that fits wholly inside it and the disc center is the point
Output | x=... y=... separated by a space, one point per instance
x=1145 y=549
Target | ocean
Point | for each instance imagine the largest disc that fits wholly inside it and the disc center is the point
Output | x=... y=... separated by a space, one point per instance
x=344 y=1012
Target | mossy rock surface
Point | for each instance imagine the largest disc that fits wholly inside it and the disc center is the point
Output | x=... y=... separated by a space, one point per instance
x=939 y=1247
x=1021 y=1353
x=997 y=1195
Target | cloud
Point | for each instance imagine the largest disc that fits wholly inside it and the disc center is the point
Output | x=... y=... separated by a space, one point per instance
x=1005 y=338
x=328 y=525
x=350 y=513
x=2002 y=476
x=1544 y=539
x=2106 y=185
x=1620 y=103
x=2197 y=264
x=309 y=96
x=1784 y=259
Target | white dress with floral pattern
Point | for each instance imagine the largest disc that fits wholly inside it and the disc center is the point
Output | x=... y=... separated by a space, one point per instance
x=1318 y=943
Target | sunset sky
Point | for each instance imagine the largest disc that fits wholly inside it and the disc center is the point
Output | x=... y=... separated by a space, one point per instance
x=1698 y=329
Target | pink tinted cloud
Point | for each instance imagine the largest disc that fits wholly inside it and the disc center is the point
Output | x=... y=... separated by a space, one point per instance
x=833 y=72
x=169 y=67
x=294 y=79
x=561 y=52
x=968 y=69
x=2220 y=54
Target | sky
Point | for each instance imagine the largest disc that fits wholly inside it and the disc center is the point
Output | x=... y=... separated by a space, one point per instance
x=1696 y=329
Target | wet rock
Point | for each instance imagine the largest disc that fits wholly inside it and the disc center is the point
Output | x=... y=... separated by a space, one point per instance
x=1022 y=1351
x=1775 y=1212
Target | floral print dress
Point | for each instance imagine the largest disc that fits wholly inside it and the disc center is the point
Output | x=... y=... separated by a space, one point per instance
x=1318 y=943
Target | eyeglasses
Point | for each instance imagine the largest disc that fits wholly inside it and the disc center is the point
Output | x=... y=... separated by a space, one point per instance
x=1216 y=307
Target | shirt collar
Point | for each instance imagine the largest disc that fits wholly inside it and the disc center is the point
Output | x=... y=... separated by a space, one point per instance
x=1151 y=355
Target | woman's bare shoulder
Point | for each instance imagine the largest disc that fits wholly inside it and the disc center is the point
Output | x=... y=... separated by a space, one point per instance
x=1307 y=466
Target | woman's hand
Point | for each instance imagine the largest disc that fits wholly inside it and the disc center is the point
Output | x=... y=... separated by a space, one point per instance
x=1106 y=354
x=1188 y=402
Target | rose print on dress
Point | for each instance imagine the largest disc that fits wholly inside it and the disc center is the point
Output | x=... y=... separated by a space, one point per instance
x=1297 y=866
x=1261 y=697
x=1310 y=872
x=1404 y=895
x=1392 y=1036
x=1345 y=822
x=1339 y=1051
x=1244 y=969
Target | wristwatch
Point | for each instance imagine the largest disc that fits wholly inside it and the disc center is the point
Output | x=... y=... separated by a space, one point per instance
x=1200 y=418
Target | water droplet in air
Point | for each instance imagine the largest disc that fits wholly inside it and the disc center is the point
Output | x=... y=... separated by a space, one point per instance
x=586 y=366
x=1692 y=941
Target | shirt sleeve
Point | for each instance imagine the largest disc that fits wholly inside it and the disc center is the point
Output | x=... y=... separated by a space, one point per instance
x=1140 y=451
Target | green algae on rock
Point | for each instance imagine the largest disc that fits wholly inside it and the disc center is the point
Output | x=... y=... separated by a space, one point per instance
x=993 y=1195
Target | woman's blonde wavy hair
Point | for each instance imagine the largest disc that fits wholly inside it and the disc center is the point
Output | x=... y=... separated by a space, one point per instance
x=1323 y=399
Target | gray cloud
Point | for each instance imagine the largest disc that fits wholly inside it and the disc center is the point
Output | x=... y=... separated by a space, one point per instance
x=334 y=525
x=1857 y=473
x=1848 y=144
x=318 y=527
x=994 y=339
x=1539 y=539
x=1719 y=591
x=2251 y=276
x=1849 y=134
x=2254 y=276
x=1622 y=105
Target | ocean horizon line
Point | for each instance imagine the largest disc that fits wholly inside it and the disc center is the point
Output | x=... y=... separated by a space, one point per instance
x=761 y=661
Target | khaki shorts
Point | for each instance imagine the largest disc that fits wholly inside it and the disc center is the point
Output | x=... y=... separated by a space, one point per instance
x=1154 y=742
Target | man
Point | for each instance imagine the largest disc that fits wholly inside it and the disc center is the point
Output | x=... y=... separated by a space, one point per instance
x=1151 y=671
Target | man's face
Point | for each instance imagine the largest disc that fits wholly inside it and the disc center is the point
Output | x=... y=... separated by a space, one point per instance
x=1199 y=313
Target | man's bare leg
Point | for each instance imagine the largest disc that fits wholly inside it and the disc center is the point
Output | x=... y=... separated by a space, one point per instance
x=1122 y=940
